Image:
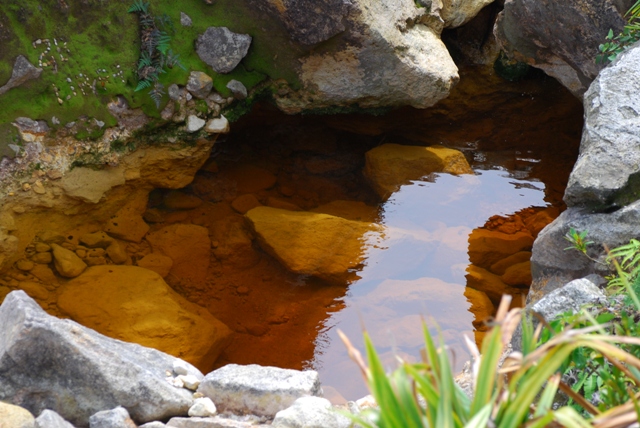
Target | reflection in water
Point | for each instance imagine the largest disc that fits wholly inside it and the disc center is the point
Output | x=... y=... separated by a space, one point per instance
x=421 y=270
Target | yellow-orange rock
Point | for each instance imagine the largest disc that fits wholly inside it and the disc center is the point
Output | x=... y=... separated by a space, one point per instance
x=351 y=210
x=157 y=262
x=487 y=247
x=249 y=178
x=518 y=274
x=483 y=280
x=308 y=243
x=136 y=305
x=541 y=219
x=244 y=203
x=501 y=266
x=235 y=246
x=391 y=165
x=188 y=246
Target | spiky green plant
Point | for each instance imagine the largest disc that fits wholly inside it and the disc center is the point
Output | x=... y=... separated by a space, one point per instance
x=521 y=392
x=616 y=44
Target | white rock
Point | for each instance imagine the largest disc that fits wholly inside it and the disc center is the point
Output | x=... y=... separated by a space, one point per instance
x=194 y=123
x=50 y=419
x=203 y=407
x=310 y=412
x=262 y=391
x=219 y=125
x=154 y=424
x=190 y=381
x=114 y=418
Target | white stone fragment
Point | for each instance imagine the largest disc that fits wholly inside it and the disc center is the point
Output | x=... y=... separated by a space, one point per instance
x=190 y=381
x=203 y=408
x=218 y=125
x=310 y=412
x=262 y=391
x=194 y=123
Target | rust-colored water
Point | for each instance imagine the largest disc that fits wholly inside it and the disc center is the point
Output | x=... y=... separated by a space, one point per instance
x=521 y=140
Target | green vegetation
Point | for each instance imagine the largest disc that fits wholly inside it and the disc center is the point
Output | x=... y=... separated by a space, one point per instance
x=580 y=370
x=97 y=45
x=617 y=44
x=510 y=70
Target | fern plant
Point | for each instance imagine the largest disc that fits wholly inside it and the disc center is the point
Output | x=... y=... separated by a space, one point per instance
x=155 y=52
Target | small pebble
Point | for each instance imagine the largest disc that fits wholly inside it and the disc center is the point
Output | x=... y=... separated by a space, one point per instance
x=203 y=407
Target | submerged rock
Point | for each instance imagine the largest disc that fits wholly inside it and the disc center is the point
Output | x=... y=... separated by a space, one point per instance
x=67 y=263
x=391 y=165
x=328 y=247
x=50 y=363
x=188 y=246
x=258 y=390
x=487 y=247
x=136 y=305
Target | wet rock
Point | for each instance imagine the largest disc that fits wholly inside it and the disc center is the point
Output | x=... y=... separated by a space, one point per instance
x=136 y=305
x=51 y=237
x=351 y=210
x=188 y=246
x=92 y=372
x=238 y=90
x=177 y=200
x=501 y=266
x=67 y=263
x=487 y=247
x=156 y=262
x=391 y=165
x=115 y=418
x=458 y=12
x=90 y=185
x=24 y=265
x=606 y=171
x=218 y=126
x=41 y=247
x=22 y=72
x=282 y=204
x=199 y=84
x=203 y=407
x=222 y=49
x=35 y=290
x=235 y=246
x=485 y=281
x=315 y=244
x=15 y=416
x=562 y=39
x=258 y=390
x=310 y=412
x=44 y=274
x=250 y=178
x=244 y=203
x=96 y=240
x=50 y=419
x=127 y=224
x=194 y=123
x=117 y=253
x=518 y=274
x=185 y=20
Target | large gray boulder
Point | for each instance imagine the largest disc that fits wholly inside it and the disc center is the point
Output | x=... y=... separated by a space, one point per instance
x=390 y=54
x=50 y=363
x=607 y=171
x=222 y=49
x=560 y=37
x=553 y=266
x=258 y=390
x=23 y=71
x=570 y=297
